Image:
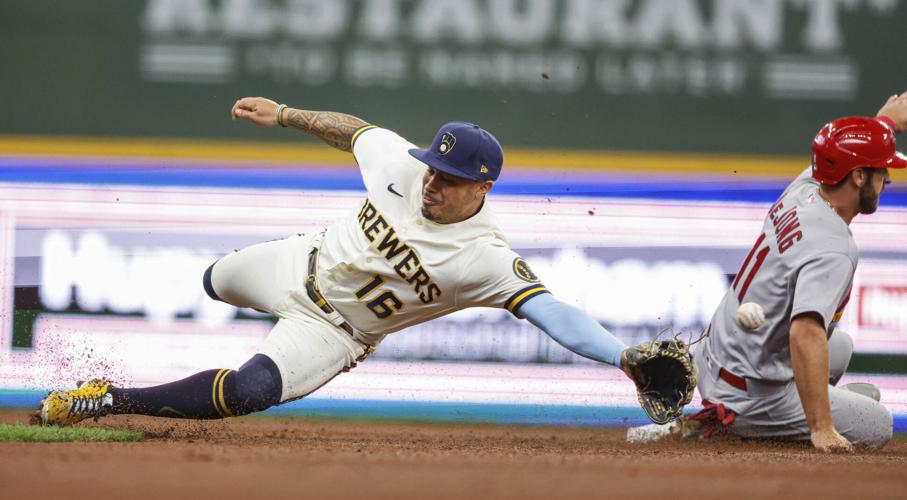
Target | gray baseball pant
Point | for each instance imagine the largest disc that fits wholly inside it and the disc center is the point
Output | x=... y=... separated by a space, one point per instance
x=773 y=409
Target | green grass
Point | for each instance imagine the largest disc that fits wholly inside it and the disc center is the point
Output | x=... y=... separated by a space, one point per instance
x=19 y=433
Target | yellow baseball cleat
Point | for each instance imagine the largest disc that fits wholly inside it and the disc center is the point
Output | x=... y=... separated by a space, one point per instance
x=90 y=400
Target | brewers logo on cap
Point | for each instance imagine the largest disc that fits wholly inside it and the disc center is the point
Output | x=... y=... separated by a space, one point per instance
x=522 y=270
x=447 y=143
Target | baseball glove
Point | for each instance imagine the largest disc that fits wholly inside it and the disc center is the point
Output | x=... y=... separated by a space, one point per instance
x=665 y=376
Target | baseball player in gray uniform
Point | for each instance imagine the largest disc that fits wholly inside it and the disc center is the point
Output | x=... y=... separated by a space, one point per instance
x=423 y=244
x=772 y=355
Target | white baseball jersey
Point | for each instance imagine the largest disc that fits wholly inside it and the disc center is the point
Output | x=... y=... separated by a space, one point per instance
x=803 y=261
x=387 y=267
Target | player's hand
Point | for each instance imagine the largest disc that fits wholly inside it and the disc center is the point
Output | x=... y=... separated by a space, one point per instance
x=257 y=110
x=829 y=441
x=896 y=109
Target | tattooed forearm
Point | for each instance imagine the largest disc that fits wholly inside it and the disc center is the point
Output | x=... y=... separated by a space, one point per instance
x=336 y=129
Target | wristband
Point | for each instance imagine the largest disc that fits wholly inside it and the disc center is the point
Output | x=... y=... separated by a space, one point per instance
x=280 y=109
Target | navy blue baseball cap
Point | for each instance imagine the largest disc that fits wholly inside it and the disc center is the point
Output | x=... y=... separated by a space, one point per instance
x=463 y=150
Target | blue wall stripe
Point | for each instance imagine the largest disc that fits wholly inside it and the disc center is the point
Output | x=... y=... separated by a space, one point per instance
x=118 y=173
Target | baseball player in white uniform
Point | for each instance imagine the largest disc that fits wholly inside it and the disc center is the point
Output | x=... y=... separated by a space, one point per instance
x=772 y=374
x=422 y=244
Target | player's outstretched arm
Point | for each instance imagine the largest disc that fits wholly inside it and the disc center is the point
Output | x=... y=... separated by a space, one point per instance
x=336 y=129
x=809 y=358
x=662 y=371
x=572 y=328
x=895 y=109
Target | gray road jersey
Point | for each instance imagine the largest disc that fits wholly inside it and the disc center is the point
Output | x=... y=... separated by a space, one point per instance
x=804 y=260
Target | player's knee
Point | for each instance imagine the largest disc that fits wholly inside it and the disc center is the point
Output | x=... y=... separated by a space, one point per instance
x=874 y=428
x=209 y=286
x=880 y=434
x=257 y=385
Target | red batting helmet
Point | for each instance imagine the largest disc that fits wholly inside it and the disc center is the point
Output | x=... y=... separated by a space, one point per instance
x=853 y=142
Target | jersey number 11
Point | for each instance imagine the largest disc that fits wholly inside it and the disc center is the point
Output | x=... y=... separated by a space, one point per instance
x=757 y=263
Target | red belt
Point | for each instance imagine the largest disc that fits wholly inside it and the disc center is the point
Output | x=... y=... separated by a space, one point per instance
x=734 y=380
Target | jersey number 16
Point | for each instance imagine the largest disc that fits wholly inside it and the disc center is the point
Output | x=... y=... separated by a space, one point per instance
x=384 y=304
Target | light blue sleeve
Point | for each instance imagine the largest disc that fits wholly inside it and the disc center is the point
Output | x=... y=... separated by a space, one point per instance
x=573 y=328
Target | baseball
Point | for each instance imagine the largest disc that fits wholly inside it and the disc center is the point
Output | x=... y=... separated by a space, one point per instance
x=750 y=315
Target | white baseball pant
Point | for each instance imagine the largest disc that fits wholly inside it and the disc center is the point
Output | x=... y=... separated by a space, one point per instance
x=308 y=349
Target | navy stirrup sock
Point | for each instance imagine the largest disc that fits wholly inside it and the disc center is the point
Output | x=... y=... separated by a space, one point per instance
x=207 y=395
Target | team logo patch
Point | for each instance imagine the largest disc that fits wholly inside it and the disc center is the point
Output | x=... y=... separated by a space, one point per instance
x=522 y=270
x=447 y=143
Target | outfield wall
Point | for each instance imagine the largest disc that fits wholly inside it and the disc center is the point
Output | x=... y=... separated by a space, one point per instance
x=102 y=261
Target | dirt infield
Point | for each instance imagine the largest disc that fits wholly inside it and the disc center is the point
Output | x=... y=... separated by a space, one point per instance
x=297 y=458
